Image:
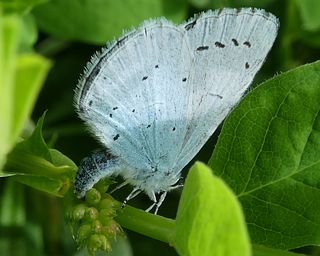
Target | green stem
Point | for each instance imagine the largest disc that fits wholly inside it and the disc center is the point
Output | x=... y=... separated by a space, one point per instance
x=151 y=225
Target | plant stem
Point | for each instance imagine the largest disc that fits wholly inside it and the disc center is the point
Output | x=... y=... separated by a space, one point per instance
x=151 y=225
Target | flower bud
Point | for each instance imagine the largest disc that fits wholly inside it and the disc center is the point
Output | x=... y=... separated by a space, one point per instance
x=91 y=214
x=98 y=242
x=78 y=212
x=105 y=215
x=96 y=226
x=109 y=203
x=93 y=196
x=84 y=231
x=111 y=230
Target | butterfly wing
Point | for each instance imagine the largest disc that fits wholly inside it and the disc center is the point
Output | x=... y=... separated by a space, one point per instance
x=133 y=96
x=229 y=46
x=155 y=96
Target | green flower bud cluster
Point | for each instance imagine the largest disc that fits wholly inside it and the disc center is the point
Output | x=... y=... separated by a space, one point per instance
x=93 y=221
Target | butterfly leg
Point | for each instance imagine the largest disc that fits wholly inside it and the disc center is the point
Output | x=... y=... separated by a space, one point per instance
x=154 y=199
x=136 y=191
x=119 y=186
x=150 y=207
x=175 y=187
x=159 y=203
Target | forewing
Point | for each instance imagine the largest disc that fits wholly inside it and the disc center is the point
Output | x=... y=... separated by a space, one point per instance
x=228 y=46
x=134 y=97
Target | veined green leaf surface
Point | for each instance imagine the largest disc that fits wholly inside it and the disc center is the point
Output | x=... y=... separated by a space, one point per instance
x=269 y=154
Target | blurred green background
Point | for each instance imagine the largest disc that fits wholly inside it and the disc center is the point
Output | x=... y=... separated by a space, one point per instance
x=68 y=33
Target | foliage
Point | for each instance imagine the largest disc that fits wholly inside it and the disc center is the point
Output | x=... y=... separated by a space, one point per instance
x=268 y=154
x=259 y=192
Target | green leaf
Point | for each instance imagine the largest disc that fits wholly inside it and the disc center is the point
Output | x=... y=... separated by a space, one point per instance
x=31 y=71
x=9 y=35
x=200 y=3
x=29 y=33
x=21 y=77
x=230 y=3
x=97 y=21
x=19 y=6
x=309 y=10
x=35 y=144
x=269 y=154
x=32 y=163
x=259 y=250
x=209 y=219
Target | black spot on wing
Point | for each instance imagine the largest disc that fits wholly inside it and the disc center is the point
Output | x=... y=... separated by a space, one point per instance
x=156 y=66
x=247 y=65
x=90 y=103
x=149 y=125
x=133 y=110
x=116 y=137
x=219 y=44
x=115 y=108
x=174 y=128
x=144 y=78
x=247 y=43
x=184 y=79
x=235 y=42
x=110 y=115
x=202 y=48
